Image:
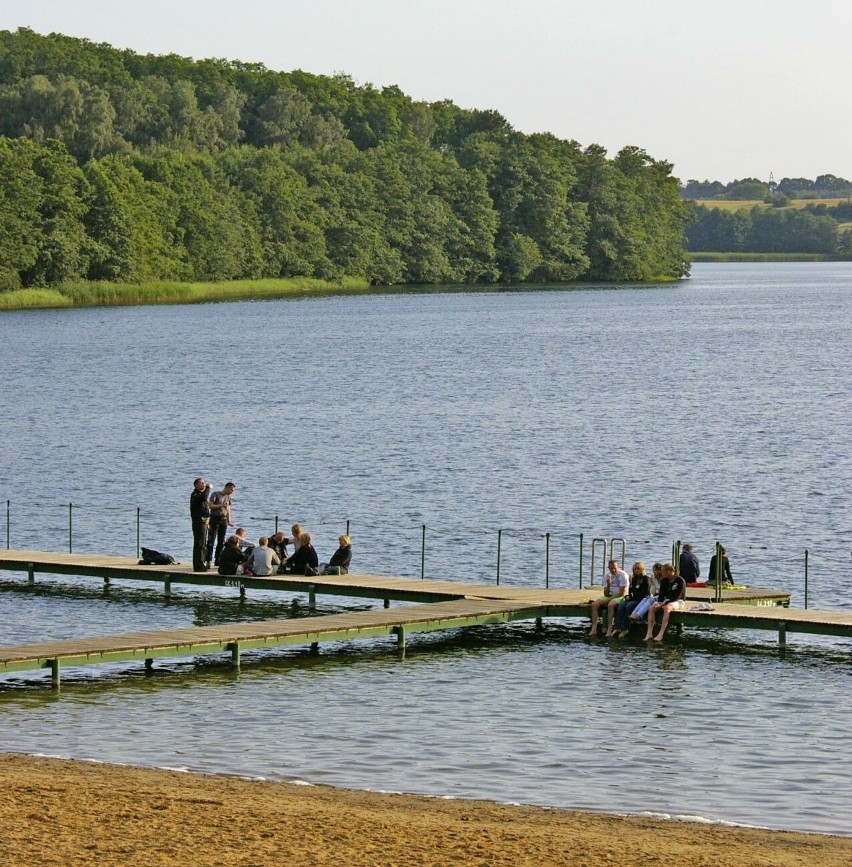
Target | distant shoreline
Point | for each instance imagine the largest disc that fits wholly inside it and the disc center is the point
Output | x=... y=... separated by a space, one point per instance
x=104 y=294
x=768 y=257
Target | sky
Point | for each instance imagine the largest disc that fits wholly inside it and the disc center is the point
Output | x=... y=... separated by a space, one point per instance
x=723 y=89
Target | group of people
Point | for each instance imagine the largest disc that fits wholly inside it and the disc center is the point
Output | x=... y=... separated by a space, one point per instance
x=631 y=599
x=210 y=512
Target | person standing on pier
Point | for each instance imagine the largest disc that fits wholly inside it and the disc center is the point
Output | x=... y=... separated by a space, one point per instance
x=689 y=568
x=220 y=520
x=199 y=511
x=614 y=590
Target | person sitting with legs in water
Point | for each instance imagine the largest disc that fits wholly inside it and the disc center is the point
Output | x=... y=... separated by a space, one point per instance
x=614 y=589
x=670 y=598
x=636 y=592
x=641 y=609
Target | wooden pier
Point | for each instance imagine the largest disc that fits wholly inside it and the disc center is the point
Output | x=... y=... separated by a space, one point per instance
x=443 y=605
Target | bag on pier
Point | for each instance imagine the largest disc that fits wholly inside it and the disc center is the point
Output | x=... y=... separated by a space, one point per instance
x=150 y=557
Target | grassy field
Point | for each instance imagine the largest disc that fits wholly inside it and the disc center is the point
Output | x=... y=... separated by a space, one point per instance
x=739 y=205
x=98 y=294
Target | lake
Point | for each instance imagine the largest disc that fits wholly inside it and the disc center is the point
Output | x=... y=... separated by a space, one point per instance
x=712 y=409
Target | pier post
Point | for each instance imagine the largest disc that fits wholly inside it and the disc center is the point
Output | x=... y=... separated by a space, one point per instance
x=106 y=582
x=242 y=592
x=782 y=633
x=499 y=545
x=54 y=673
x=149 y=665
x=167 y=587
x=547 y=561
x=314 y=651
x=30 y=573
x=235 y=654
x=312 y=597
x=400 y=638
x=387 y=603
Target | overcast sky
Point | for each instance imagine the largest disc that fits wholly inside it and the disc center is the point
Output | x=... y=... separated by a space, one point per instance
x=722 y=88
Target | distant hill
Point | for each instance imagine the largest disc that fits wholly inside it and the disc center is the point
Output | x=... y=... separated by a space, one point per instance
x=824 y=187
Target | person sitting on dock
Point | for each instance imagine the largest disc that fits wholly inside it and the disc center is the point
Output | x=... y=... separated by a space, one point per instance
x=296 y=539
x=233 y=559
x=340 y=559
x=245 y=546
x=641 y=609
x=304 y=561
x=278 y=543
x=614 y=589
x=637 y=591
x=670 y=598
x=726 y=568
x=690 y=571
x=263 y=558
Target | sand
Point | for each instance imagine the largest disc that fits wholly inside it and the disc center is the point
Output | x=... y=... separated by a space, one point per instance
x=56 y=811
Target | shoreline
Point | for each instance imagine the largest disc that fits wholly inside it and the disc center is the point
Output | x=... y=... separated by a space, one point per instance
x=64 y=811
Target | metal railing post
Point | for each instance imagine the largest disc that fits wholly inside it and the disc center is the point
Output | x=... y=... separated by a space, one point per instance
x=806 y=577
x=499 y=545
x=581 y=561
x=547 y=561
x=138 y=532
x=423 y=553
x=8 y=521
x=718 y=577
x=70 y=527
x=276 y=525
x=347 y=526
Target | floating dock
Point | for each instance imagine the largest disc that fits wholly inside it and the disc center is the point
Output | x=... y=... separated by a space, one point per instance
x=443 y=605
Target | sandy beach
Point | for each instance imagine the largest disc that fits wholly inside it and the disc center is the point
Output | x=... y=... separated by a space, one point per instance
x=56 y=811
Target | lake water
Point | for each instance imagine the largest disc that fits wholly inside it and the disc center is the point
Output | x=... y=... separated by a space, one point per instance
x=713 y=409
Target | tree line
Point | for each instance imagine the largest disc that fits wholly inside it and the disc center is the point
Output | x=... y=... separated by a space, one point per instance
x=127 y=167
x=746 y=189
x=768 y=230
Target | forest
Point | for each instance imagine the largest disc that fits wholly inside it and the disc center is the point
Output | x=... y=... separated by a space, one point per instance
x=118 y=166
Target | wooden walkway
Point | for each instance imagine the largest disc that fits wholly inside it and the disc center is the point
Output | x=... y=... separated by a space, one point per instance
x=451 y=604
x=352 y=585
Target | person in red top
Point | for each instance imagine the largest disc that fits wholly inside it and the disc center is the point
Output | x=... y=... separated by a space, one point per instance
x=670 y=598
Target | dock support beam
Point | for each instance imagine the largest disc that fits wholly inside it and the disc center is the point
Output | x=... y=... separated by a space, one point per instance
x=31 y=573
x=54 y=673
x=400 y=639
x=387 y=603
x=235 y=653
x=312 y=597
x=782 y=633
x=242 y=592
x=106 y=582
x=314 y=648
x=149 y=665
x=167 y=588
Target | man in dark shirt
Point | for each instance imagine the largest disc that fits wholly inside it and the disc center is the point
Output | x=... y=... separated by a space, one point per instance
x=689 y=569
x=220 y=520
x=199 y=512
x=670 y=598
